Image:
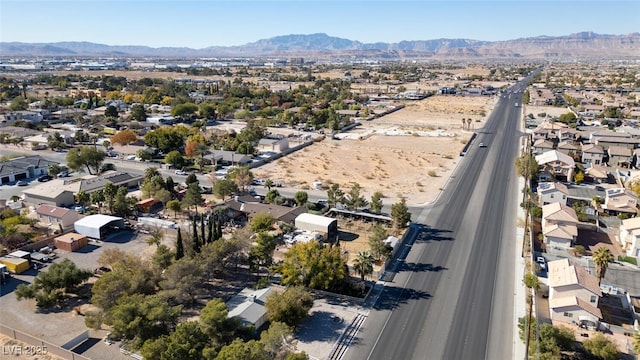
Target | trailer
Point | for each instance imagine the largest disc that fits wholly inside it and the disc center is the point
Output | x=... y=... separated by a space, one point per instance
x=15 y=265
x=156 y=223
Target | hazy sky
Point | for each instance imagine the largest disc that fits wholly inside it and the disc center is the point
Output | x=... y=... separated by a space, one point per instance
x=203 y=23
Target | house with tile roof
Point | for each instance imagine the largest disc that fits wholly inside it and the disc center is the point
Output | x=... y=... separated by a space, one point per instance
x=592 y=154
x=567 y=147
x=559 y=225
x=557 y=164
x=620 y=200
x=573 y=294
x=550 y=192
x=541 y=146
x=630 y=236
x=620 y=156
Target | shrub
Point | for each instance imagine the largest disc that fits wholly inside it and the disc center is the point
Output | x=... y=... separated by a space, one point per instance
x=432 y=173
x=580 y=250
x=628 y=259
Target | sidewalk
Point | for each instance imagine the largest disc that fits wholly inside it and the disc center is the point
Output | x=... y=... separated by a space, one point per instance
x=520 y=301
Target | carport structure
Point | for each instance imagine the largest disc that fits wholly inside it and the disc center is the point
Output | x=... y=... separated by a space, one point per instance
x=98 y=226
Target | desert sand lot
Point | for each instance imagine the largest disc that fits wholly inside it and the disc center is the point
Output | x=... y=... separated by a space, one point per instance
x=409 y=153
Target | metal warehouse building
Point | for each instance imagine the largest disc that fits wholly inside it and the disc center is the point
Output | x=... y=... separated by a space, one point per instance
x=98 y=226
x=327 y=226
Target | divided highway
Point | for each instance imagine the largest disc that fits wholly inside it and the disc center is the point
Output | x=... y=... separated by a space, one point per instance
x=452 y=296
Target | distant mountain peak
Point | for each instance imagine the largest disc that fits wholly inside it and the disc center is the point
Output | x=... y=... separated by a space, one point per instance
x=581 y=44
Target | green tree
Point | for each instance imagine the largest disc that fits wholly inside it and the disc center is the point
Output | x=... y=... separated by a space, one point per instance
x=215 y=323
x=55 y=141
x=179 y=246
x=97 y=198
x=54 y=170
x=379 y=249
x=240 y=350
x=531 y=281
x=301 y=197
x=138 y=113
x=271 y=197
x=121 y=205
x=185 y=110
x=636 y=343
x=175 y=159
x=49 y=287
x=110 y=191
x=262 y=252
x=18 y=104
x=354 y=200
x=175 y=206
x=334 y=195
x=313 y=265
x=224 y=188
x=601 y=348
x=290 y=307
x=268 y=184
x=363 y=264
x=376 y=202
x=601 y=257
x=261 y=222
x=527 y=166
x=138 y=318
x=276 y=338
x=165 y=138
x=193 y=197
x=163 y=257
x=182 y=281
x=85 y=157
x=83 y=198
x=111 y=111
x=400 y=214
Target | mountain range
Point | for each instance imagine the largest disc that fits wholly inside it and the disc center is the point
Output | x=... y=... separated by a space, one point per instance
x=580 y=45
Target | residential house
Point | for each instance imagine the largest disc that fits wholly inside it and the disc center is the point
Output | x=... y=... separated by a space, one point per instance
x=573 y=294
x=24 y=167
x=550 y=192
x=559 y=225
x=61 y=192
x=273 y=145
x=34 y=117
x=247 y=207
x=606 y=142
x=541 y=146
x=630 y=236
x=592 y=154
x=567 y=147
x=226 y=157
x=55 y=217
x=596 y=135
x=620 y=156
x=567 y=134
x=596 y=174
x=557 y=164
x=620 y=200
x=248 y=305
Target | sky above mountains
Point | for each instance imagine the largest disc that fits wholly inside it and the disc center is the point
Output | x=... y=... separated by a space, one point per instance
x=203 y=23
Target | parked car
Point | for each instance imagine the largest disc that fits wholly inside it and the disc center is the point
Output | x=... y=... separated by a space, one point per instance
x=181 y=172
x=45 y=178
x=542 y=262
x=22 y=183
x=63 y=173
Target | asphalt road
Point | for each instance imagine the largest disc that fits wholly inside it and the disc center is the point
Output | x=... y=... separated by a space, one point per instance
x=452 y=297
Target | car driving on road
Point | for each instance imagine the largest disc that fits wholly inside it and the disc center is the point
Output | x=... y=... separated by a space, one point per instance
x=180 y=172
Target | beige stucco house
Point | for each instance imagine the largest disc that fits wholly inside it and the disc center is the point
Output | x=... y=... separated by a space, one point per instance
x=630 y=236
x=573 y=294
x=559 y=225
x=550 y=192
x=54 y=217
x=620 y=200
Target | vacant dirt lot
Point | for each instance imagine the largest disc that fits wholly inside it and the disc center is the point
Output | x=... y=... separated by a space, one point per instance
x=409 y=153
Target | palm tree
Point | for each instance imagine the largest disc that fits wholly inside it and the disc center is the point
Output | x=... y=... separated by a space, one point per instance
x=268 y=184
x=463 y=121
x=601 y=258
x=15 y=198
x=468 y=123
x=83 y=198
x=363 y=264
